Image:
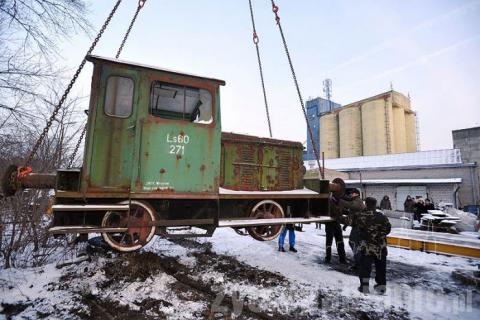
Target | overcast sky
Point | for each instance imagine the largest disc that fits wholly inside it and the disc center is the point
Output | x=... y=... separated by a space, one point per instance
x=429 y=49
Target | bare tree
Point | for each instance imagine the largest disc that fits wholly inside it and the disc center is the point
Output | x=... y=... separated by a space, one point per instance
x=24 y=240
x=30 y=31
x=31 y=79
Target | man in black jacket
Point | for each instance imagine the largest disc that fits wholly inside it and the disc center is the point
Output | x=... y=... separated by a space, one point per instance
x=409 y=204
x=334 y=230
x=419 y=210
x=385 y=204
x=341 y=210
x=429 y=205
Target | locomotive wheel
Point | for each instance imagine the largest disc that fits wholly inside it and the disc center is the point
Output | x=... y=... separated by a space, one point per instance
x=266 y=209
x=136 y=236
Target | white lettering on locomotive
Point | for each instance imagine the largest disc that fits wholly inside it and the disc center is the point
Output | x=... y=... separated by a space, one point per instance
x=177 y=143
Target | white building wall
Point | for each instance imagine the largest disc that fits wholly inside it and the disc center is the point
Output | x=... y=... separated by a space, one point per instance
x=436 y=193
x=441 y=193
x=379 y=191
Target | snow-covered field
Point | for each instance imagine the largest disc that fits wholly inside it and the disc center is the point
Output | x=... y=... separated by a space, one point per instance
x=233 y=276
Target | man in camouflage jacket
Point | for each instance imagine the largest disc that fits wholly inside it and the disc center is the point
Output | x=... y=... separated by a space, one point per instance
x=350 y=208
x=373 y=228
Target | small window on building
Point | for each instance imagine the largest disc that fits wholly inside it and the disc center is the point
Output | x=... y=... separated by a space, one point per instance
x=119 y=97
x=176 y=102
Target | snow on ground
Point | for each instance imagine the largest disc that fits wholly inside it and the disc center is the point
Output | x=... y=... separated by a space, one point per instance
x=232 y=275
x=421 y=281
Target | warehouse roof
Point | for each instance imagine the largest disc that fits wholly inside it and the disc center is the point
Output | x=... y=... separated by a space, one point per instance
x=405 y=181
x=416 y=159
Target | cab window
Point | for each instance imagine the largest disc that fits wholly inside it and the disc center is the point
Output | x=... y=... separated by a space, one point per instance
x=119 y=96
x=170 y=101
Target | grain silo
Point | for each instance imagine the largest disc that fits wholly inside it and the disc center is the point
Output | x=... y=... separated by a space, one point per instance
x=382 y=124
x=329 y=135
x=400 y=100
x=411 y=131
x=350 y=134
x=377 y=126
x=399 y=130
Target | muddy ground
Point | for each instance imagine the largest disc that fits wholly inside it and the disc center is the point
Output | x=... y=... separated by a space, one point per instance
x=185 y=279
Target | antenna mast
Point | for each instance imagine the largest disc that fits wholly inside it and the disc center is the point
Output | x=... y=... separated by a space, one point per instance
x=327 y=90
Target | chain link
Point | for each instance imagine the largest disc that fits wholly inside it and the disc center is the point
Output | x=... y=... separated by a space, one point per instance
x=140 y=6
x=310 y=131
x=70 y=85
x=77 y=146
x=256 y=40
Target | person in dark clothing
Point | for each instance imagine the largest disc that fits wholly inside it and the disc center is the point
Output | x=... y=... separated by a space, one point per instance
x=419 y=209
x=408 y=205
x=385 y=204
x=291 y=238
x=334 y=230
x=373 y=228
x=353 y=205
x=429 y=205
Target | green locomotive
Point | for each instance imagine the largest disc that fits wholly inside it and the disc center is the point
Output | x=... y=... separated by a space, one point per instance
x=155 y=158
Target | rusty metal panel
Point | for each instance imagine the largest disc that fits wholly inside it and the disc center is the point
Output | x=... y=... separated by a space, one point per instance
x=253 y=163
x=284 y=164
x=246 y=167
x=195 y=168
x=176 y=156
x=113 y=145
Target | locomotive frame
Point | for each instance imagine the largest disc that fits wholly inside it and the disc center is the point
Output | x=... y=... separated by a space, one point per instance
x=152 y=162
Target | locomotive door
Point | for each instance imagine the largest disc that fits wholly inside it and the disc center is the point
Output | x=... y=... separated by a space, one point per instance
x=114 y=131
x=180 y=144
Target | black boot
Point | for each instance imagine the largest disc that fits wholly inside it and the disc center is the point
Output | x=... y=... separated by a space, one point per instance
x=293 y=249
x=341 y=252
x=380 y=289
x=364 y=285
x=364 y=289
x=281 y=249
x=328 y=254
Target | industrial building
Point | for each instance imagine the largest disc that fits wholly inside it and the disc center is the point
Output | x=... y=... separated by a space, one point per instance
x=373 y=145
x=468 y=142
x=441 y=175
x=315 y=108
x=382 y=124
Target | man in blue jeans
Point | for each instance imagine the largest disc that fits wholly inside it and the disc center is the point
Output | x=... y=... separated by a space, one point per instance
x=291 y=238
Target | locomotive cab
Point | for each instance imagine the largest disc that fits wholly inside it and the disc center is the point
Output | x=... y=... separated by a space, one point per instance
x=151 y=131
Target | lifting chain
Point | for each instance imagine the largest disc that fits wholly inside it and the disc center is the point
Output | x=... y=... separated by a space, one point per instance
x=77 y=146
x=141 y=3
x=256 y=41
x=67 y=91
x=310 y=132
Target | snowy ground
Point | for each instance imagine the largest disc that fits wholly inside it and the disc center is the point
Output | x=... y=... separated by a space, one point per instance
x=229 y=275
